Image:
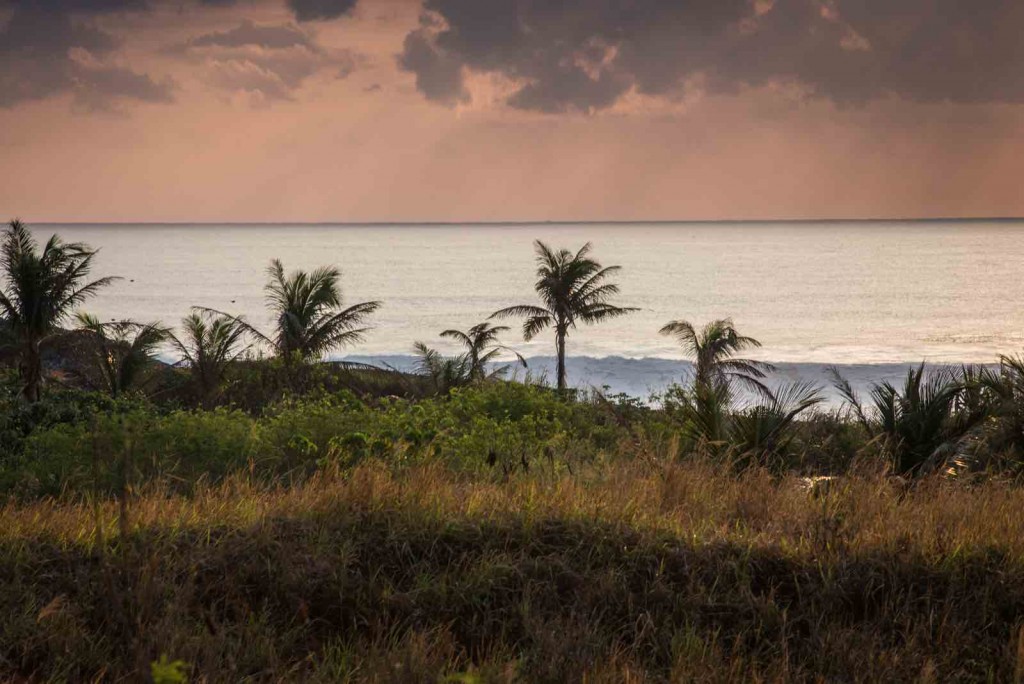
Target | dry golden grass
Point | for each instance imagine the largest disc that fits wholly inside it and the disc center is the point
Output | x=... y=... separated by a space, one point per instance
x=630 y=572
x=700 y=502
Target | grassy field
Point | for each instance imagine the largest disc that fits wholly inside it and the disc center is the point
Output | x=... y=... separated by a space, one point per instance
x=634 y=571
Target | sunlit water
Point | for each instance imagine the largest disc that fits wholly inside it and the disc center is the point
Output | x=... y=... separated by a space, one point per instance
x=852 y=294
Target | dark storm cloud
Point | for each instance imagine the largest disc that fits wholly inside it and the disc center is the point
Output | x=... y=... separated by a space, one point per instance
x=81 y=6
x=98 y=86
x=49 y=48
x=438 y=74
x=311 y=10
x=932 y=50
x=583 y=55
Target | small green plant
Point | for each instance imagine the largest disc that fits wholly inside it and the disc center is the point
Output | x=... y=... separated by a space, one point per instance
x=166 y=671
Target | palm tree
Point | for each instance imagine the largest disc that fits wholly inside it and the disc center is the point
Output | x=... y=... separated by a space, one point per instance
x=572 y=288
x=120 y=351
x=210 y=343
x=760 y=433
x=713 y=350
x=40 y=290
x=309 y=320
x=763 y=433
x=1002 y=398
x=444 y=372
x=481 y=343
x=920 y=425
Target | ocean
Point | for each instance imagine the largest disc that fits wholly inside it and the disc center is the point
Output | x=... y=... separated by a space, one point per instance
x=869 y=297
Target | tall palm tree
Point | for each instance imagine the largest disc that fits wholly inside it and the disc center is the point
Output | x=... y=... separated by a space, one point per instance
x=713 y=350
x=40 y=290
x=309 y=320
x=572 y=288
x=209 y=344
x=121 y=351
x=481 y=343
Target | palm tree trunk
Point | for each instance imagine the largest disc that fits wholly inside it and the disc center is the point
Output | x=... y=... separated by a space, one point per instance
x=560 y=351
x=32 y=371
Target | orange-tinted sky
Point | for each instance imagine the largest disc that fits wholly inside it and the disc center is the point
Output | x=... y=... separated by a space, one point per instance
x=482 y=110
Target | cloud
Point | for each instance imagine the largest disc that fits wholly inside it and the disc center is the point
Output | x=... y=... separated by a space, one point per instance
x=269 y=61
x=438 y=73
x=98 y=85
x=79 y=6
x=576 y=55
x=50 y=48
x=251 y=78
x=311 y=10
x=250 y=34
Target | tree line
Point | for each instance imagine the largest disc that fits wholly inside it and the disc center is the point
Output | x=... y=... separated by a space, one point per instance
x=934 y=418
x=44 y=288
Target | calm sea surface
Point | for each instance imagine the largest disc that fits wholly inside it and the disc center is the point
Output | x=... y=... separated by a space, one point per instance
x=813 y=293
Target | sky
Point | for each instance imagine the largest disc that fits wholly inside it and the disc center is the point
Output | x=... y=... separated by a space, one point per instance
x=510 y=110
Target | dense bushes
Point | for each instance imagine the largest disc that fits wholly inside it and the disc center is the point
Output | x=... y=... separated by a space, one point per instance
x=504 y=425
x=76 y=442
x=19 y=419
x=126 y=449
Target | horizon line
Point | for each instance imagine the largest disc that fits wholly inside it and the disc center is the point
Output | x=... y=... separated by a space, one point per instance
x=552 y=222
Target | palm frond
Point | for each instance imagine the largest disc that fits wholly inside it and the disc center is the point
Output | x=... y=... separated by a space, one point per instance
x=520 y=310
x=764 y=431
x=846 y=391
x=239 y=321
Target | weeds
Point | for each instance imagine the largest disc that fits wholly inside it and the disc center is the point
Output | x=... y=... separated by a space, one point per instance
x=691 y=573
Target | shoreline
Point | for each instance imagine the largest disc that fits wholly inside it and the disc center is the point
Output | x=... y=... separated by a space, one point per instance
x=640 y=377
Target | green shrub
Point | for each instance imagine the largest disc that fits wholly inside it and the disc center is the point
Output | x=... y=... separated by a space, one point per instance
x=179 y=448
x=58 y=406
x=499 y=426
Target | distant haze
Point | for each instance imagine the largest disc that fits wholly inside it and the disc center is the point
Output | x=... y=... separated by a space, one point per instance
x=465 y=110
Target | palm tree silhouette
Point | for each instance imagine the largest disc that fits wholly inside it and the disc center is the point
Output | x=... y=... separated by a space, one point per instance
x=40 y=290
x=481 y=343
x=209 y=344
x=120 y=351
x=572 y=287
x=921 y=423
x=444 y=372
x=713 y=350
x=309 y=320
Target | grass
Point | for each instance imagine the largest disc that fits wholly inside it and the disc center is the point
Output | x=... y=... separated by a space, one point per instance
x=634 y=571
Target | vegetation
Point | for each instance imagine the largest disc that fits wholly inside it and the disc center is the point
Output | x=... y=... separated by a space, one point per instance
x=121 y=352
x=478 y=363
x=924 y=424
x=239 y=517
x=713 y=350
x=309 y=318
x=572 y=287
x=210 y=343
x=40 y=289
x=637 y=572
x=482 y=348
